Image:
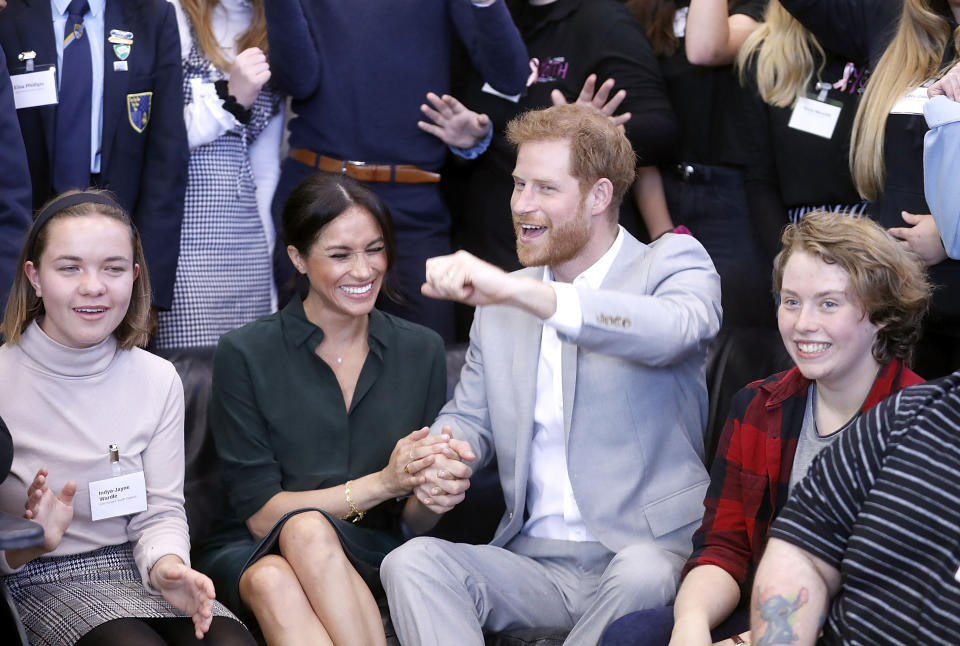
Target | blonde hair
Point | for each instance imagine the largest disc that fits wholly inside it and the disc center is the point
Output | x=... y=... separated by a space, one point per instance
x=23 y=304
x=201 y=15
x=785 y=57
x=888 y=281
x=598 y=149
x=912 y=57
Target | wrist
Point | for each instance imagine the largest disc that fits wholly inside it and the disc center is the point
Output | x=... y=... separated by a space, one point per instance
x=533 y=295
x=230 y=103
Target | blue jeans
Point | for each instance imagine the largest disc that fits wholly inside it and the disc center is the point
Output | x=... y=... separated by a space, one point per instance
x=652 y=627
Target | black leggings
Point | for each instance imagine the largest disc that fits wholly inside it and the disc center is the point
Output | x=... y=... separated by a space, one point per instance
x=168 y=631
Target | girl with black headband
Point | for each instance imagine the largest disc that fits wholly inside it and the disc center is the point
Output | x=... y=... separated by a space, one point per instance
x=97 y=426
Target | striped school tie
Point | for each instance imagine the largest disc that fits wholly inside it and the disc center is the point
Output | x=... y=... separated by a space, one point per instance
x=71 y=154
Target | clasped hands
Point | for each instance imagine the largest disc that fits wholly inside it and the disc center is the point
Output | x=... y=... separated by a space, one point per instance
x=432 y=467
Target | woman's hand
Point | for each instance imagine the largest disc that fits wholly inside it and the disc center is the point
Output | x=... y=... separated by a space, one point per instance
x=949 y=85
x=185 y=588
x=410 y=456
x=453 y=123
x=248 y=73
x=53 y=512
x=921 y=237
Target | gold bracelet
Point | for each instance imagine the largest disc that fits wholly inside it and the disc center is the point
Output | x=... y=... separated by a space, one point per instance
x=356 y=514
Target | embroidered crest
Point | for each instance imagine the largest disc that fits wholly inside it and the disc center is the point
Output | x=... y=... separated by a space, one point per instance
x=121 y=51
x=138 y=110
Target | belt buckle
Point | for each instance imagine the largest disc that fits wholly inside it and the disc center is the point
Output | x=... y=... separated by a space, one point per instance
x=347 y=162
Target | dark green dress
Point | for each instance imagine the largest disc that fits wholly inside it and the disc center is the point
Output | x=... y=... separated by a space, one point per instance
x=280 y=424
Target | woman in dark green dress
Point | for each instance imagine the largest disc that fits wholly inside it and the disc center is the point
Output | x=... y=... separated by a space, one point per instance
x=312 y=414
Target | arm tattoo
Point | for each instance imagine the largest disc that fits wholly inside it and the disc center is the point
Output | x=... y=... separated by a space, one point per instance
x=777 y=611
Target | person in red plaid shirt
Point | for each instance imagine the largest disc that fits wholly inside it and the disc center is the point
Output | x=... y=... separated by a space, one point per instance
x=850 y=304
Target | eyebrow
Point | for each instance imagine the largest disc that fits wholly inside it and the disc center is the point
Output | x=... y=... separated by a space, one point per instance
x=70 y=258
x=343 y=247
x=830 y=292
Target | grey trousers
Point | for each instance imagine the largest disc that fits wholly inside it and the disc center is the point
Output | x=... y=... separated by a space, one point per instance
x=446 y=593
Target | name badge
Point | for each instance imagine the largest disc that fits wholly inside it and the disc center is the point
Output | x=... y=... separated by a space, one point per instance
x=912 y=103
x=815 y=117
x=35 y=88
x=118 y=496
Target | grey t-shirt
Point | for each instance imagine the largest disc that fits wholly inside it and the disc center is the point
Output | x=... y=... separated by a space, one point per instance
x=810 y=442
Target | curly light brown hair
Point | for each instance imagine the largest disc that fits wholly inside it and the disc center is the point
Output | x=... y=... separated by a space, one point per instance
x=887 y=281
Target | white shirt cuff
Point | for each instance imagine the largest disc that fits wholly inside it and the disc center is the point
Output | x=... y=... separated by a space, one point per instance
x=205 y=117
x=568 y=319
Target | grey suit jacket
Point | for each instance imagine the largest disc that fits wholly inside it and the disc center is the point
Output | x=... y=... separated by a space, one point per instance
x=635 y=400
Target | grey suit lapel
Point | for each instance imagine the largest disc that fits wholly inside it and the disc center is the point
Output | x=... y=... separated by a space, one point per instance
x=526 y=355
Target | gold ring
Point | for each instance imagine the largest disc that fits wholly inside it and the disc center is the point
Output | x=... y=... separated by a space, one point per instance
x=407 y=469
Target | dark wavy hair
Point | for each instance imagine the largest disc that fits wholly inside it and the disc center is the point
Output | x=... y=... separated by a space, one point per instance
x=888 y=281
x=320 y=198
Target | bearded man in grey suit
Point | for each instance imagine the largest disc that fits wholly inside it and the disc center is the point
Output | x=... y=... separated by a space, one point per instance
x=585 y=378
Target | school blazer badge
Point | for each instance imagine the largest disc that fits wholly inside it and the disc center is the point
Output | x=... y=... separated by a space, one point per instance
x=138 y=110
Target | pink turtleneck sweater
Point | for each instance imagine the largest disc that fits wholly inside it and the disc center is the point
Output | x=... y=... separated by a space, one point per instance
x=64 y=406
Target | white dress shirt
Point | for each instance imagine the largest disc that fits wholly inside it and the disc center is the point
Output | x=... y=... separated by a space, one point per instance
x=552 y=508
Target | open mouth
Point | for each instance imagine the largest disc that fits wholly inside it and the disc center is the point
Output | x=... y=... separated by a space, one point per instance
x=811 y=348
x=530 y=232
x=360 y=290
x=90 y=310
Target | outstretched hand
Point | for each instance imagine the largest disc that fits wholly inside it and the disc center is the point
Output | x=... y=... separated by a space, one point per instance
x=599 y=99
x=452 y=122
x=185 y=588
x=53 y=512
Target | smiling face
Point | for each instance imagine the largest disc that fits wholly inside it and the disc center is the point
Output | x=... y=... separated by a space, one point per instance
x=550 y=215
x=85 y=278
x=345 y=265
x=823 y=326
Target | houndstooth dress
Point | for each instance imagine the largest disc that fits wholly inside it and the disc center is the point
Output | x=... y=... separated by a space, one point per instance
x=61 y=599
x=225 y=272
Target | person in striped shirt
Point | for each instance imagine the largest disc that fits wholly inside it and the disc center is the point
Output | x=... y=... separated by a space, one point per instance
x=866 y=549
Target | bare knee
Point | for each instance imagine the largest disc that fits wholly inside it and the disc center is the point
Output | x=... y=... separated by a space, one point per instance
x=310 y=531
x=267 y=582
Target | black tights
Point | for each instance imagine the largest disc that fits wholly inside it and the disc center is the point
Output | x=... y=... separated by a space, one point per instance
x=168 y=631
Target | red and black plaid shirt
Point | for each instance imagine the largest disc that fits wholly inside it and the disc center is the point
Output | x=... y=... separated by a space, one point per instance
x=750 y=476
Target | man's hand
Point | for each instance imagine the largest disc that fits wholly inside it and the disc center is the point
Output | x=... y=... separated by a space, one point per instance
x=600 y=99
x=248 y=73
x=921 y=237
x=465 y=278
x=448 y=478
x=411 y=455
x=949 y=85
x=185 y=588
x=453 y=123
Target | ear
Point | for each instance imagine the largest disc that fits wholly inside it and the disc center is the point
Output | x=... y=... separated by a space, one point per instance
x=296 y=259
x=136 y=271
x=602 y=194
x=33 y=276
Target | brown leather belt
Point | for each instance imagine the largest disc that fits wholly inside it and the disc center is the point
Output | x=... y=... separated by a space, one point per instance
x=399 y=173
